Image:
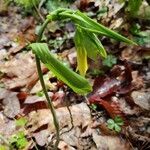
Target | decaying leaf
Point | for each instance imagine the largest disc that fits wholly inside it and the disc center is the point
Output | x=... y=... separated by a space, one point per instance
x=109 y=142
x=43 y=116
x=142 y=99
x=10 y=102
x=18 y=70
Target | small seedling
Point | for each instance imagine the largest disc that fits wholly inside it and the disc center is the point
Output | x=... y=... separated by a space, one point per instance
x=115 y=124
x=18 y=140
x=110 y=61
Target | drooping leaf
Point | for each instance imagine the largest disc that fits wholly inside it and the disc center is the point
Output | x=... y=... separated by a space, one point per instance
x=93 y=45
x=78 y=83
x=90 y=25
x=87 y=44
x=82 y=65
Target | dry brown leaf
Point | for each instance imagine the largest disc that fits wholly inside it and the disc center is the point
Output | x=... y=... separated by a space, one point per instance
x=109 y=142
x=137 y=81
x=64 y=146
x=142 y=99
x=80 y=114
x=10 y=102
x=18 y=70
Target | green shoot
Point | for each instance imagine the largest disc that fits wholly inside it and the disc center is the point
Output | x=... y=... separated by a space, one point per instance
x=115 y=124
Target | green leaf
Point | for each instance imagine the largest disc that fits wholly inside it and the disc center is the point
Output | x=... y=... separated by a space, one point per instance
x=82 y=65
x=21 y=122
x=110 y=121
x=93 y=45
x=89 y=24
x=133 y=6
x=87 y=44
x=117 y=128
x=78 y=83
x=18 y=140
x=115 y=124
x=110 y=61
x=21 y=143
x=135 y=29
x=118 y=120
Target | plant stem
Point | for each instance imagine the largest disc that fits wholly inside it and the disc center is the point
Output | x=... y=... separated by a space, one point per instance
x=50 y=104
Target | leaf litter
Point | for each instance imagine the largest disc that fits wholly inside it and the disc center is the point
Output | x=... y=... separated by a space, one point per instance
x=123 y=89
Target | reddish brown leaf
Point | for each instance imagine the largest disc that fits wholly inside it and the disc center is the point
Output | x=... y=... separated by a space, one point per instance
x=34 y=107
x=104 y=86
x=22 y=96
x=112 y=108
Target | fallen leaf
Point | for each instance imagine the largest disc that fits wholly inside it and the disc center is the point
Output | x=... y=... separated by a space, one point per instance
x=80 y=114
x=142 y=99
x=112 y=108
x=18 y=70
x=11 y=105
x=41 y=137
x=64 y=146
x=109 y=142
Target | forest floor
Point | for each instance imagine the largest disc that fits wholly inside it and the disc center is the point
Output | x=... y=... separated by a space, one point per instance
x=121 y=82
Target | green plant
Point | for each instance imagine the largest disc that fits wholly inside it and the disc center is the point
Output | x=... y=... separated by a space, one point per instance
x=18 y=140
x=141 y=37
x=115 y=124
x=110 y=61
x=133 y=6
x=87 y=45
x=27 y=4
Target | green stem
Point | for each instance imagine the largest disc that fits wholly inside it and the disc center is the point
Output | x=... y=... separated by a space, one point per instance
x=50 y=104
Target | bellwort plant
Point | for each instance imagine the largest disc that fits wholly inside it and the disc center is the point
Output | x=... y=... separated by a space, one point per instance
x=87 y=45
